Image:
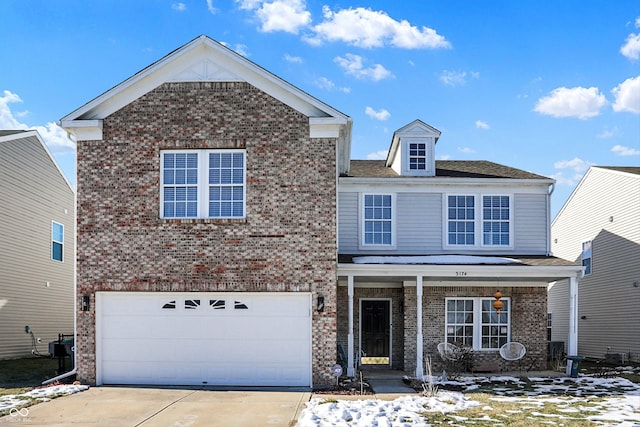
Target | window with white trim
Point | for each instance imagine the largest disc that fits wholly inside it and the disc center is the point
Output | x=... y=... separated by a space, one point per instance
x=586 y=256
x=57 y=241
x=203 y=183
x=473 y=322
x=417 y=156
x=468 y=224
x=377 y=219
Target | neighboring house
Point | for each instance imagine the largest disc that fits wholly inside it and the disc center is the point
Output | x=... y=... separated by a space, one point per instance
x=599 y=227
x=211 y=195
x=37 y=228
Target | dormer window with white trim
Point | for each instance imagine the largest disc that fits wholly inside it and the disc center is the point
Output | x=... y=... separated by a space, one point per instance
x=417 y=156
x=412 y=151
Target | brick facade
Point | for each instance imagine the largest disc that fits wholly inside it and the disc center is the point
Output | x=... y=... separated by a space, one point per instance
x=528 y=323
x=286 y=243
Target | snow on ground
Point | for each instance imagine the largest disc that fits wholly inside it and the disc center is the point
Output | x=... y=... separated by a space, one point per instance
x=403 y=411
x=13 y=401
x=615 y=400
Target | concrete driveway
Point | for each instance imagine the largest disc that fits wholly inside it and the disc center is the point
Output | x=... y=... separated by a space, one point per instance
x=150 y=407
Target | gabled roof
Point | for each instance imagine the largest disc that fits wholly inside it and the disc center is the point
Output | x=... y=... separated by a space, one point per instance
x=444 y=169
x=204 y=59
x=628 y=169
x=15 y=135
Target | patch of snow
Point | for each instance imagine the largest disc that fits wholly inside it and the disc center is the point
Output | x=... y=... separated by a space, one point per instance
x=434 y=259
x=43 y=394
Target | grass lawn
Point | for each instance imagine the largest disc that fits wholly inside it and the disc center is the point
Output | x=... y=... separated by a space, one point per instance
x=20 y=375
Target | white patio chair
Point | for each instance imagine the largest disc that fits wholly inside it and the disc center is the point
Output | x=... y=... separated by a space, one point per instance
x=448 y=352
x=513 y=351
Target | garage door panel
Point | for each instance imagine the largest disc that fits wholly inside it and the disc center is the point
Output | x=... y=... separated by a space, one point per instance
x=205 y=338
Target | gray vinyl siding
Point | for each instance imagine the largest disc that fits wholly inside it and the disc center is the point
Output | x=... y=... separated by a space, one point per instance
x=34 y=194
x=348 y=222
x=530 y=224
x=419 y=223
x=604 y=208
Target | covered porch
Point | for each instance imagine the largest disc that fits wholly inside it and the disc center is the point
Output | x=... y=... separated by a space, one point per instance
x=394 y=311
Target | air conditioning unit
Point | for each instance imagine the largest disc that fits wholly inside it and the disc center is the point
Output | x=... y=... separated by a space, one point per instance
x=615 y=358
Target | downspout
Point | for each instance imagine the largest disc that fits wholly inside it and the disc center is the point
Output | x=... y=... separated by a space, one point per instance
x=550 y=191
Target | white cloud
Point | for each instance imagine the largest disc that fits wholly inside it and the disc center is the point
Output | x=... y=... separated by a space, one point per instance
x=240 y=49
x=279 y=15
x=482 y=125
x=631 y=48
x=378 y=155
x=444 y=157
x=180 y=7
x=457 y=78
x=466 y=150
x=579 y=102
x=292 y=59
x=627 y=96
x=363 y=27
x=608 y=133
x=378 y=115
x=210 y=7
x=571 y=171
x=353 y=65
x=54 y=136
x=621 y=150
x=324 y=83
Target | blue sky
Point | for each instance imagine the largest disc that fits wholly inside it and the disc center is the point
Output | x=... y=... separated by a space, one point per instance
x=551 y=87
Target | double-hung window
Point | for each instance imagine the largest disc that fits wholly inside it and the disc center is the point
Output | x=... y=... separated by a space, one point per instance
x=203 y=183
x=57 y=241
x=377 y=219
x=473 y=323
x=478 y=220
x=586 y=256
x=417 y=156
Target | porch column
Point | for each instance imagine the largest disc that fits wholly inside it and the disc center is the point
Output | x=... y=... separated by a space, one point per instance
x=572 y=342
x=419 y=361
x=350 y=350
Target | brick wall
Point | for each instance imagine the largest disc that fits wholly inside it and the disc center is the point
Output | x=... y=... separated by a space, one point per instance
x=528 y=323
x=286 y=243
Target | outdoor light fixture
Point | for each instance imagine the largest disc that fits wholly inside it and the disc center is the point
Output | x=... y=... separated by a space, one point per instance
x=497 y=304
x=320 y=304
x=86 y=303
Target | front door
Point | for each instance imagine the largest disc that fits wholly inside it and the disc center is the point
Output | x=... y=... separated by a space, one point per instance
x=375 y=331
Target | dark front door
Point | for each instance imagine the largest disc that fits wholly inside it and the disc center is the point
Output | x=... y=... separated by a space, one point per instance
x=376 y=326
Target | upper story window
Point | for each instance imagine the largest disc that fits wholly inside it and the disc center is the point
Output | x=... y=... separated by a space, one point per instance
x=57 y=241
x=377 y=219
x=586 y=256
x=417 y=156
x=478 y=220
x=203 y=184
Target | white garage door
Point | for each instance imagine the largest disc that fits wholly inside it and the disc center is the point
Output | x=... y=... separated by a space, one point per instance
x=203 y=338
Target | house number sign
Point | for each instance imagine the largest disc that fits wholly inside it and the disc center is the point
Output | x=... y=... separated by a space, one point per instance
x=461 y=273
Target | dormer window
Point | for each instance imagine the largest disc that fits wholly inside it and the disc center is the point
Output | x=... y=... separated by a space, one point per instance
x=412 y=151
x=417 y=156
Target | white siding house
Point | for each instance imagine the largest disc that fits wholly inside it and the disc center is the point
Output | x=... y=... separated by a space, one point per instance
x=37 y=252
x=599 y=226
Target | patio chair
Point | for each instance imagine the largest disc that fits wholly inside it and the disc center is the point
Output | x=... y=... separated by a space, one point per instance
x=448 y=352
x=513 y=351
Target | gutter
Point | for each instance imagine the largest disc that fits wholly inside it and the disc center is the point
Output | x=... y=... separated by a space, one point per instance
x=59 y=377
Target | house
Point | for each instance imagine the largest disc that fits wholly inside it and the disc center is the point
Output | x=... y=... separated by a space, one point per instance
x=599 y=227
x=223 y=235
x=419 y=235
x=37 y=269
